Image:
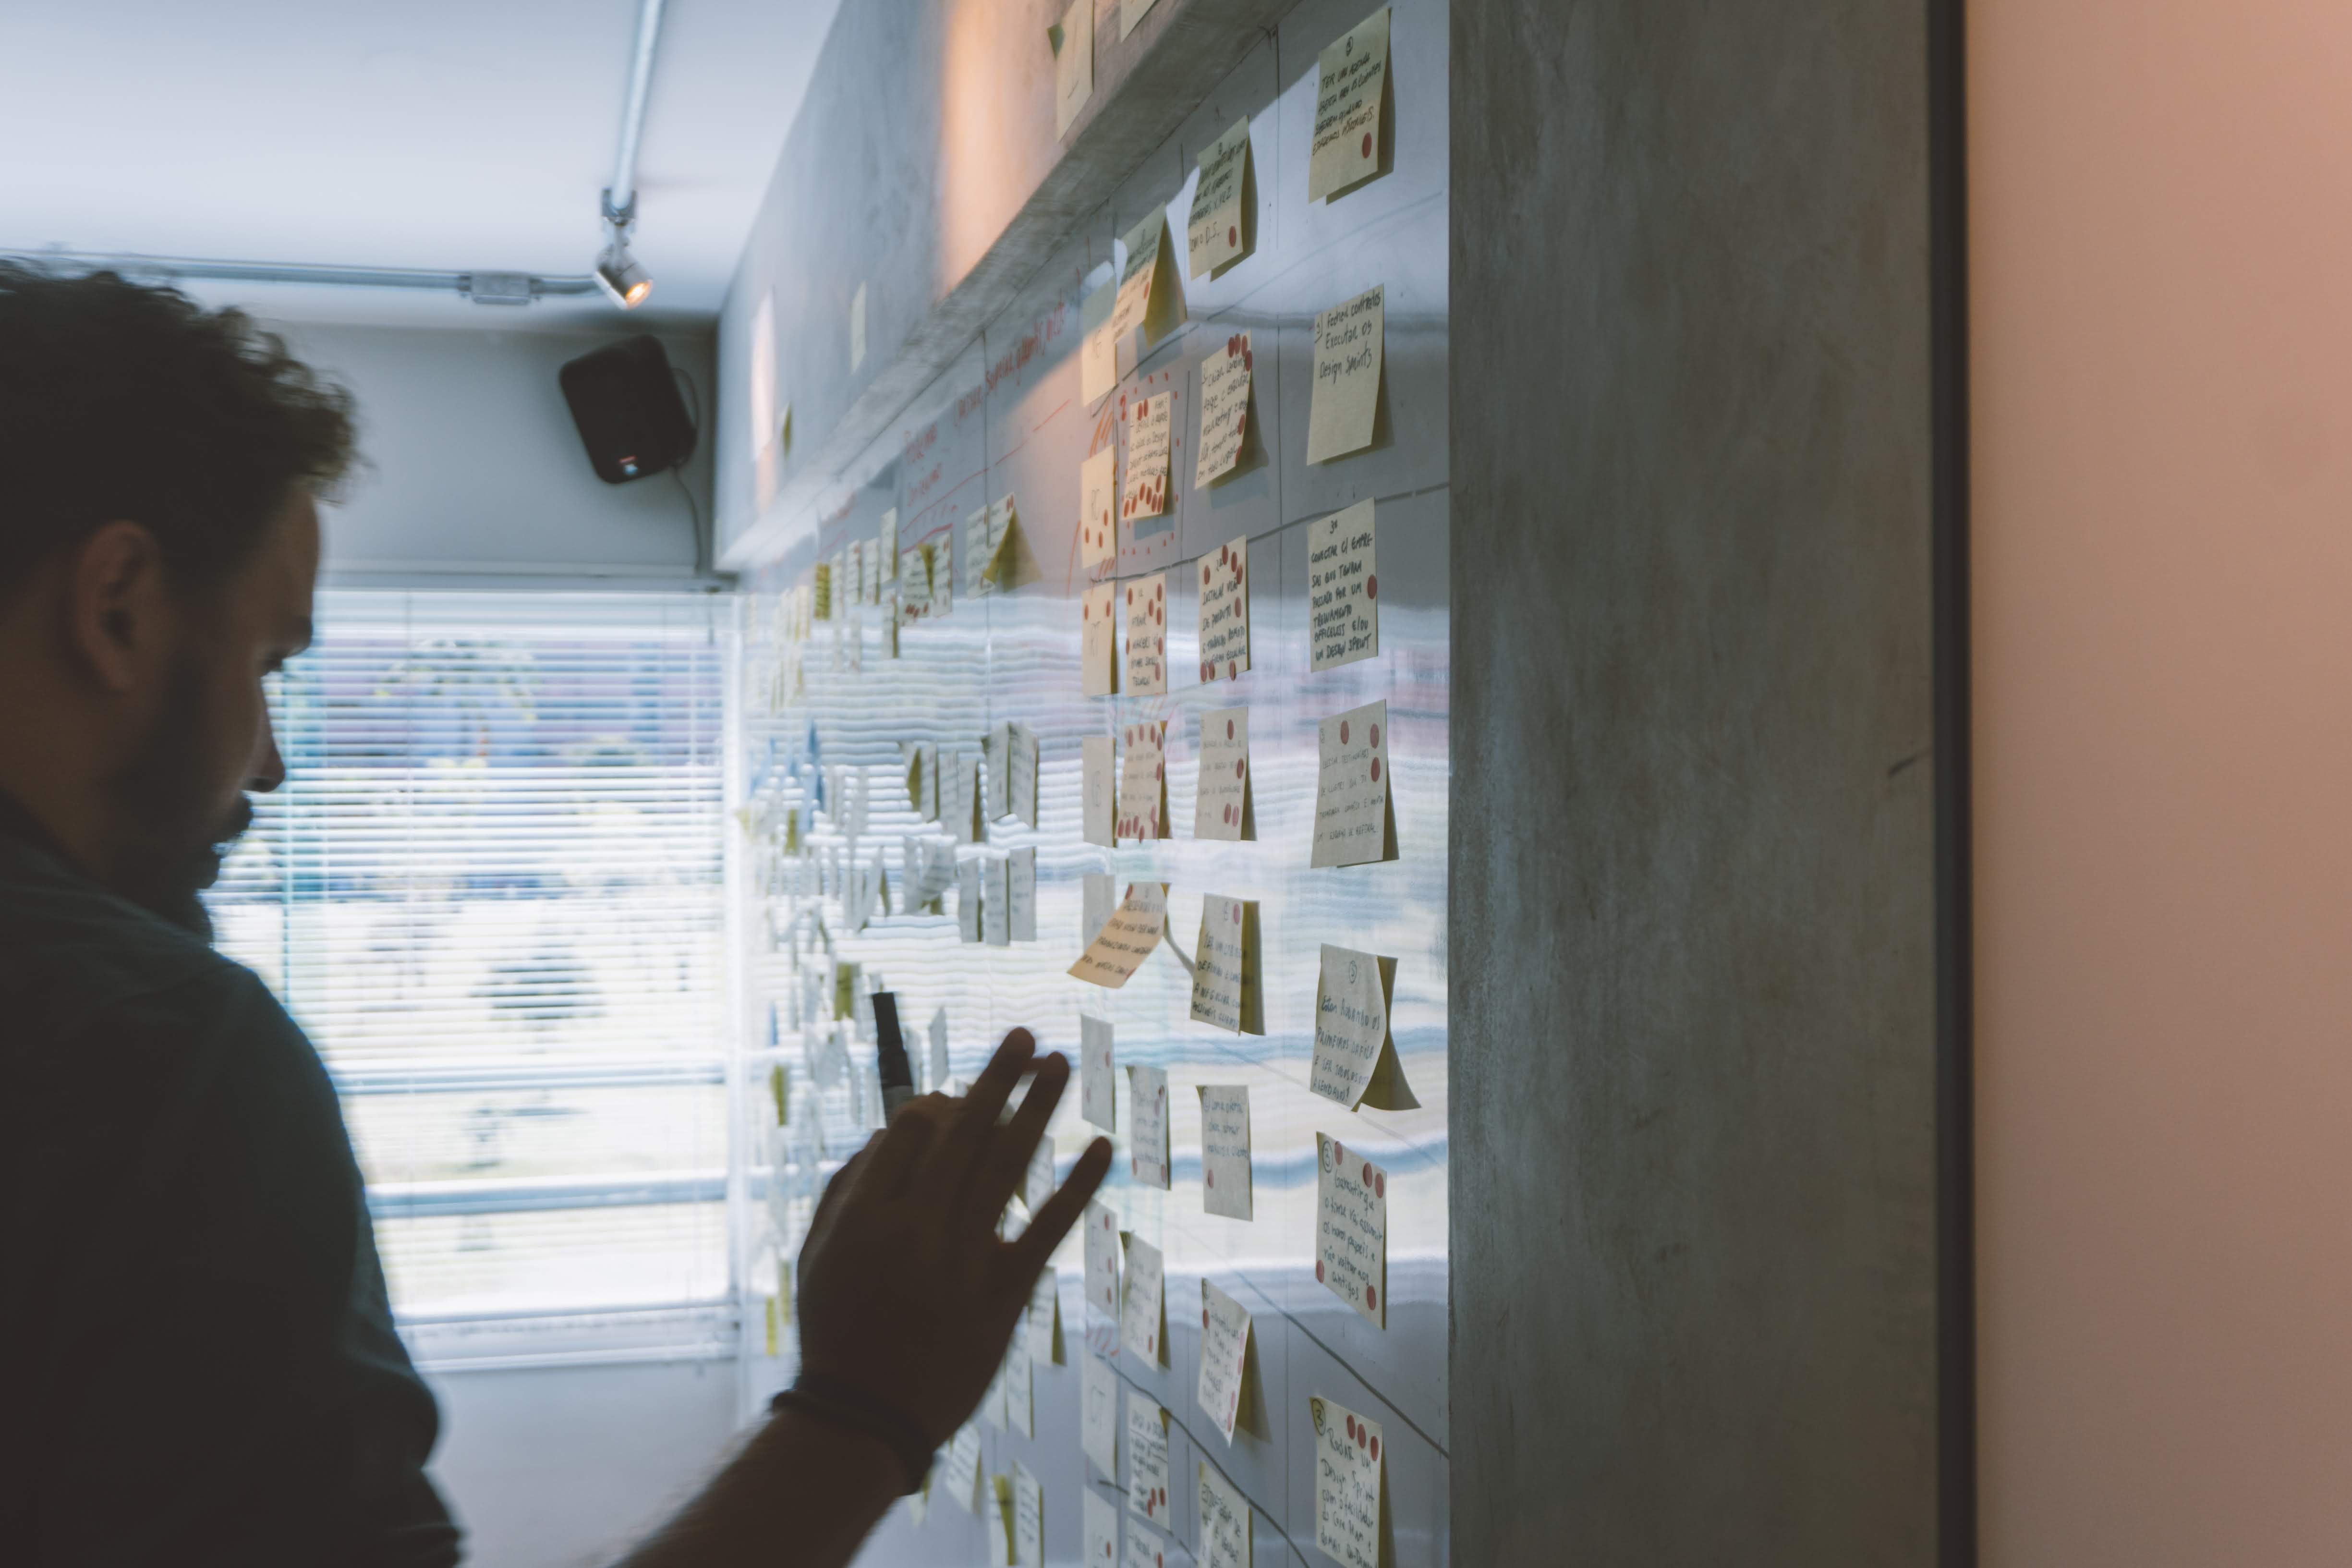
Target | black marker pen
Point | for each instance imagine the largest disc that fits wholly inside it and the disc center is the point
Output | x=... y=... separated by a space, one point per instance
x=898 y=1074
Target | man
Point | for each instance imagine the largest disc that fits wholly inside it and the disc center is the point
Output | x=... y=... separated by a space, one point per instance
x=197 y=1361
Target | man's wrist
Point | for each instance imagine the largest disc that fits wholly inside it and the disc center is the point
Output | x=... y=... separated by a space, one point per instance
x=842 y=1404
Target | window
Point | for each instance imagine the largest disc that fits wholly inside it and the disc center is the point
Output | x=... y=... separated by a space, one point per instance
x=491 y=889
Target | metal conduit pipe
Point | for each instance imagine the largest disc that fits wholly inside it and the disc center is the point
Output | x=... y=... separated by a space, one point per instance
x=483 y=287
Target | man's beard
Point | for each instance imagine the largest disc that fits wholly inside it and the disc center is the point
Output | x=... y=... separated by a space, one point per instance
x=180 y=843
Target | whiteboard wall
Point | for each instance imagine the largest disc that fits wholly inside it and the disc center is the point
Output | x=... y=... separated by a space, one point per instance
x=1009 y=420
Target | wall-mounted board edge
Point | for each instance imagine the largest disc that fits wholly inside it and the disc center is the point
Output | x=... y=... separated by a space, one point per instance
x=1140 y=100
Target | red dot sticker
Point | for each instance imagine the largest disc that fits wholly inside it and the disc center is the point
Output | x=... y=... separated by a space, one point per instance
x=1371 y=1300
x=1211 y=1179
x=1371 y=587
x=1318 y=1268
x=1232 y=234
x=1368 y=1173
x=1229 y=734
x=1204 y=576
x=1380 y=1185
x=1208 y=672
x=1376 y=735
x=1233 y=668
x=1351 y=1428
x=1376 y=769
x=1376 y=1448
x=1362 y=1436
x=1237 y=769
x=1343 y=732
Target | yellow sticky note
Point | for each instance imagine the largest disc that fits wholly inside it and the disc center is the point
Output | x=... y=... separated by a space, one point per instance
x=1225 y=1181
x=1143 y=782
x=961 y=1476
x=1147 y=636
x=1353 y=823
x=1126 y=938
x=1224 y=1535
x=1341 y=413
x=1348 y=1471
x=1226 y=373
x=1000 y=1520
x=1221 y=804
x=1224 y=967
x=1130 y=11
x=1149 y=434
x=1217 y=232
x=1343 y=588
x=1098 y=507
x=1148 y=300
x=1098 y=348
x=1099 y=640
x=1355 y=1056
x=1224 y=1357
x=1350 y=87
x=1351 y=1229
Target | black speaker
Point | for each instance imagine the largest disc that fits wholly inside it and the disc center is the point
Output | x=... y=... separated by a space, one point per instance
x=626 y=402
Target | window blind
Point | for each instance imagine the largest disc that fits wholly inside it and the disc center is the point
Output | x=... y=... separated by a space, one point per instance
x=492 y=890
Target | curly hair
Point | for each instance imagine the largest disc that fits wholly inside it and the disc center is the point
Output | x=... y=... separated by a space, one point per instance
x=122 y=401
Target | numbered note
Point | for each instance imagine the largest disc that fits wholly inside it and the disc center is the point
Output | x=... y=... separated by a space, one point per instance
x=1224 y=1533
x=1343 y=589
x=1147 y=1460
x=1150 y=439
x=1217 y=230
x=1352 y=1042
x=1350 y=82
x=1225 y=378
x=1224 y=967
x=1348 y=1473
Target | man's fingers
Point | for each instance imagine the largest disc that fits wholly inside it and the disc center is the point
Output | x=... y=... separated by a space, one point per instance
x=895 y=1152
x=949 y=1169
x=1004 y=1160
x=1050 y=1224
x=836 y=1186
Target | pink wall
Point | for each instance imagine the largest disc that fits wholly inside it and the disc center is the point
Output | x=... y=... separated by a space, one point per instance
x=2161 y=214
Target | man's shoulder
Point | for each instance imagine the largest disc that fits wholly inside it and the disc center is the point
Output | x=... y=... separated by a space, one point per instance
x=74 y=957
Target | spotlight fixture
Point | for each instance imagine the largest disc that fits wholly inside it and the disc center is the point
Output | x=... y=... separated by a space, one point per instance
x=623 y=280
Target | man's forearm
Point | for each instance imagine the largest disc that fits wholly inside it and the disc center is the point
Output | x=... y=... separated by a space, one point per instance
x=803 y=1493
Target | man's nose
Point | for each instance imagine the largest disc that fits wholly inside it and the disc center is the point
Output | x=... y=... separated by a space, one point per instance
x=268 y=767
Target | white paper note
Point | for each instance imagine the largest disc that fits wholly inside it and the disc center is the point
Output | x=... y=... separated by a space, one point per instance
x=1043 y=1323
x=1099 y=349
x=1146 y=1126
x=1216 y=231
x=1348 y=1471
x=1150 y=437
x=1225 y=613
x=1022 y=894
x=1101 y=897
x=1020 y=1388
x=1098 y=507
x=1147 y=636
x=1351 y=1229
x=1126 y=938
x=1343 y=589
x=1351 y=788
x=1102 y=1261
x=1348 y=347
x=968 y=899
x=940 y=1072
x=961 y=1477
x=1143 y=782
x=1147 y=1460
x=1097 y=1075
x=1220 y=802
x=1142 y=1322
x=1024 y=774
x=1224 y=1357
x=1102 y=1530
x=959 y=798
x=995 y=901
x=1225 y=1150
x=1224 y=1535
x=1131 y=12
x=1348 y=79
x=1028 y=1519
x=1144 y=1549
x=1099 y=1418
x=1099 y=640
x=1224 y=967
x=1099 y=780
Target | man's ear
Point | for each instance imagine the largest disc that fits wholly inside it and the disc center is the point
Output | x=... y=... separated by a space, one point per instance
x=118 y=606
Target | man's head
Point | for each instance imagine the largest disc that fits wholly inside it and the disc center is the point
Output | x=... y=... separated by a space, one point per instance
x=158 y=546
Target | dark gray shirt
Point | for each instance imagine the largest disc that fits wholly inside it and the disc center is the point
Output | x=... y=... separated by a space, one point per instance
x=197 y=1361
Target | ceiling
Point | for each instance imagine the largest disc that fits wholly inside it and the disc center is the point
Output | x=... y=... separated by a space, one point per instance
x=429 y=134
